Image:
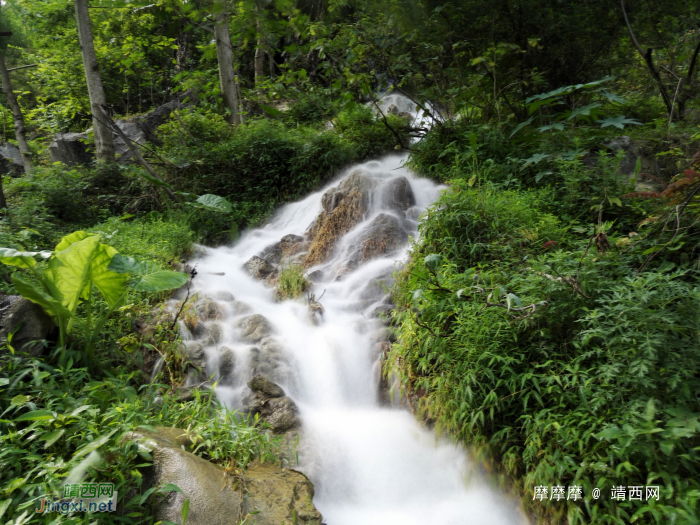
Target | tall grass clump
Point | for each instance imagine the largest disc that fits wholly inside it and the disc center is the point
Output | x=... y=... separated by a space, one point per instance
x=292 y=282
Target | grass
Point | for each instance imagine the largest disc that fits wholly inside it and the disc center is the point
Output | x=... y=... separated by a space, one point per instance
x=292 y=282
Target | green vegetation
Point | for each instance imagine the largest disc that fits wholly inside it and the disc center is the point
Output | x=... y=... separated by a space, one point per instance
x=550 y=321
x=62 y=420
x=548 y=316
x=292 y=283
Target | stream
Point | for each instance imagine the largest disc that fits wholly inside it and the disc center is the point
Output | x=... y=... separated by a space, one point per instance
x=371 y=463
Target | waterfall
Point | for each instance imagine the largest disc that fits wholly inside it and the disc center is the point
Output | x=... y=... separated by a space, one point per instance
x=371 y=463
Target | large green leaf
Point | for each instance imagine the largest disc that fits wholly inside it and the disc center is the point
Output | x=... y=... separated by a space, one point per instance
x=124 y=264
x=36 y=294
x=160 y=281
x=72 y=238
x=72 y=270
x=12 y=257
x=213 y=203
x=150 y=277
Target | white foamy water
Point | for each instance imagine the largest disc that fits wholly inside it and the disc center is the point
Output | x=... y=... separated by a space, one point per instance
x=371 y=464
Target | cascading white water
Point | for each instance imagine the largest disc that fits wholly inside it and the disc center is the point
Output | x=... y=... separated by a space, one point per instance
x=370 y=464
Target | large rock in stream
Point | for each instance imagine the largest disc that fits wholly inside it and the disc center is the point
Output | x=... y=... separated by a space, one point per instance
x=217 y=497
x=269 y=402
x=344 y=206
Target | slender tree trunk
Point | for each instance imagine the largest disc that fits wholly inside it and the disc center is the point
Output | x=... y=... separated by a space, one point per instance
x=224 y=55
x=104 y=142
x=259 y=54
x=18 y=120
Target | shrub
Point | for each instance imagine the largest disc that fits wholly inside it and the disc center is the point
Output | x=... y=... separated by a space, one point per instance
x=292 y=282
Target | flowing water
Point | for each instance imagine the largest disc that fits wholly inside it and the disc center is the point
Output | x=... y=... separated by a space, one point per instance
x=371 y=464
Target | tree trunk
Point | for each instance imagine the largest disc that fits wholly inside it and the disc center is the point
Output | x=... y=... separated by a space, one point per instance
x=104 y=142
x=259 y=54
x=224 y=55
x=18 y=120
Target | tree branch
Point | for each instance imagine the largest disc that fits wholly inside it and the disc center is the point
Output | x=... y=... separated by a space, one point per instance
x=648 y=58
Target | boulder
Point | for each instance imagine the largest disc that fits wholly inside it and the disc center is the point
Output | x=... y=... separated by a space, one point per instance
x=194 y=353
x=283 y=496
x=217 y=497
x=258 y=267
x=270 y=360
x=253 y=328
x=240 y=308
x=11 y=160
x=397 y=195
x=269 y=402
x=208 y=333
x=631 y=153
x=381 y=237
x=208 y=310
x=227 y=362
x=344 y=207
x=35 y=324
x=71 y=149
x=264 y=386
x=272 y=254
x=224 y=296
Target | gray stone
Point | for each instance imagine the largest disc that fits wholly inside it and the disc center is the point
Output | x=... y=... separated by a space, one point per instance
x=11 y=160
x=253 y=328
x=35 y=324
x=208 y=333
x=316 y=276
x=224 y=296
x=631 y=153
x=261 y=384
x=240 y=308
x=397 y=195
x=216 y=497
x=71 y=149
x=194 y=353
x=227 y=363
x=208 y=310
x=272 y=254
x=258 y=267
x=279 y=412
x=282 y=496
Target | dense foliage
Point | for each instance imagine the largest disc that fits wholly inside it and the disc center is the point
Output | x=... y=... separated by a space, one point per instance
x=548 y=316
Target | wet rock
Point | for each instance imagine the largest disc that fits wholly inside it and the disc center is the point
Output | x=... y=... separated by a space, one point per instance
x=258 y=267
x=208 y=333
x=383 y=312
x=281 y=496
x=240 y=308
x=208 y=310
x=268 y=401
x=11 y=160
x=397 y=194
x=253 y=328
x=216 y=497
x=413 y=213
x=224 y=296
x=316 y=276
x=344 y=207
x=35 y=324
x=264 y=386
x=71 y=149
x=291 y=245
x=227 y=363
x=270 y=360
x=194 y=353
x=272 y=254
x=383 y=235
